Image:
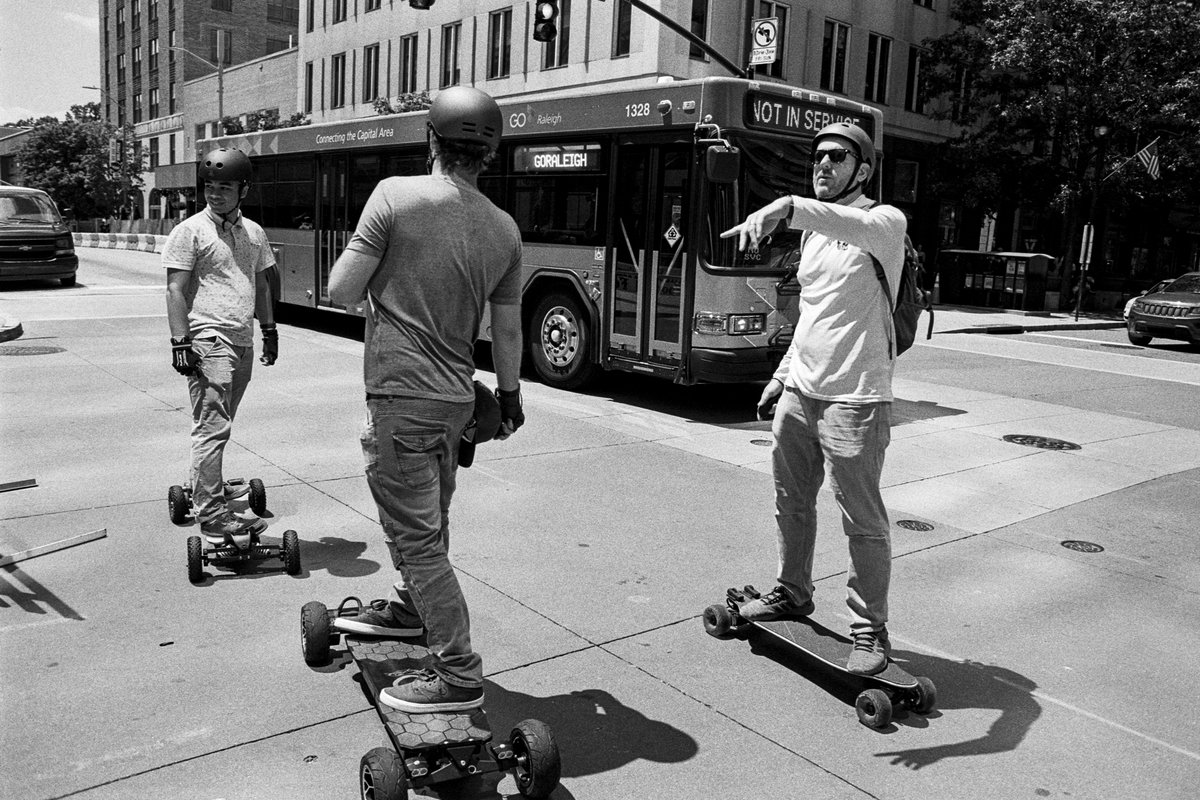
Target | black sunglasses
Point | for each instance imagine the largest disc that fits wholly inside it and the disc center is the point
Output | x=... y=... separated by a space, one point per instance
x=836 y=155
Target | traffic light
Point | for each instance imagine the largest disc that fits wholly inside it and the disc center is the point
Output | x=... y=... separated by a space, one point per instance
x=545 y=12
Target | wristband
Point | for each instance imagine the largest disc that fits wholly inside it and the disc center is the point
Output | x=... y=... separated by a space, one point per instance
x=508 y=394
x=183 y=340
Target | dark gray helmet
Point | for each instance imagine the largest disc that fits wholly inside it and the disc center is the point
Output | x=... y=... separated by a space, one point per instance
x=465 y=114
x=225 y=164
x=857 y=137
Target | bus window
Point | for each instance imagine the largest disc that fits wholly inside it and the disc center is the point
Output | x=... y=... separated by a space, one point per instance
x=365 y=174
x=285 y=189
x=770 y=168
x=556 y=192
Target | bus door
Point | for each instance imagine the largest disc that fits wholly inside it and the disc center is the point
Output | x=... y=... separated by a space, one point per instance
x=650 y=242
x=332 y=222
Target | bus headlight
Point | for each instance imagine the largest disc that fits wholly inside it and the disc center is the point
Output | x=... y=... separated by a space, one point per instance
x=728 y=324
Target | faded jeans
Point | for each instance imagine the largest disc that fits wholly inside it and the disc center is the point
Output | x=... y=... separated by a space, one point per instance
x=411 y=446
x=851 y=439
x=216 y=389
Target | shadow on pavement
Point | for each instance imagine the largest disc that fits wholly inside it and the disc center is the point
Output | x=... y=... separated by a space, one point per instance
x=20 y=589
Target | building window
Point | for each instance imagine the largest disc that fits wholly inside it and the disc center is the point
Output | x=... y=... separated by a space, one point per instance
x=275 y=45
x=137 y=62
x=120 y=67
x=154 y=152
x=373 y=5
x=120 y=21
x=171 y=97
x=153 y=54
x=171 y=149
x=833 y=56
x=137 y=108
x=778 y=11
x=499 y=43
x=310 y=20
x=339 y=11
x=699 y=28
x=222 y=5
x=284 y=12
x=337 y=81
x=225 y=54
x=622 y=18
x=308 y=87
x=923 y=3
x=912 y=88
x=554 y=53
x=451 y=37
x=370 y=73
x=879 y=62
x=135 y=16
x=408 y=64
x=170 y=44
x=154 y=102
x=152 y=11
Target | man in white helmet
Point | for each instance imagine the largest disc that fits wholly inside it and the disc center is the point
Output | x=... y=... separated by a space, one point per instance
x=833 y=389
x=429 y=254
x=217 y=263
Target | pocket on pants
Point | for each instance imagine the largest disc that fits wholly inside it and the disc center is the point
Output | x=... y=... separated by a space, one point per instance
x=416 y=457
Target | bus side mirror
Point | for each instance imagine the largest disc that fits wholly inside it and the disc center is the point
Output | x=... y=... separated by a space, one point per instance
x=722 y=164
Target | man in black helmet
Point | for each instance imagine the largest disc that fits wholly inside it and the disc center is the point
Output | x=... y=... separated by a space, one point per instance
x=217 y=262
x=833 y=389
x=429 y=254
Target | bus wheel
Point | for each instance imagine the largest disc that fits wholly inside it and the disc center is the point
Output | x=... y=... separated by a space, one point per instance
x=560 y=342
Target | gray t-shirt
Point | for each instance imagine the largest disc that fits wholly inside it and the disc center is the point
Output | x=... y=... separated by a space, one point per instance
x=224 y=267
x=446 y=251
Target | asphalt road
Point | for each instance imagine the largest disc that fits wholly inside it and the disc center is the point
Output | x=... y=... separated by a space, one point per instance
x=588 y=545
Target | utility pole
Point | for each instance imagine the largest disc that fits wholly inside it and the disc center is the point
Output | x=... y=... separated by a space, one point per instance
x=219 y=67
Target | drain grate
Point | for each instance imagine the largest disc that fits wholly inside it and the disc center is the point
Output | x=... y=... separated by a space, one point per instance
x=31 y=350
x=914 y=525
x=1042 y=442
x=1080 y=546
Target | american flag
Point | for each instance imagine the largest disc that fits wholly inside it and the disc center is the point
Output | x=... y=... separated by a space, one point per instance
x=1148 y=155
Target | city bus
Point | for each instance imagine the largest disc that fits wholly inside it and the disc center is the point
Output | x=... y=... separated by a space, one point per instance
x=620 y=197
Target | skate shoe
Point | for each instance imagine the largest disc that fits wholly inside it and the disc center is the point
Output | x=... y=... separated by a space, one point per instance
x=775 y=604
x=225 y=528
x=425 y=692
x=870 y=653
x=379 y=619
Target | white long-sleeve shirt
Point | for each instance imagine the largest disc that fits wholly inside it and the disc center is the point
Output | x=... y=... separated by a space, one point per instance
x=842 y=350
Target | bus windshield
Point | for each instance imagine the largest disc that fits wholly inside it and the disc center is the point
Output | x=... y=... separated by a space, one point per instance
x=771 y=166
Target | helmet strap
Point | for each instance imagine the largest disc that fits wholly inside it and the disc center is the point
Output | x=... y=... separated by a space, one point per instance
x=849 y=187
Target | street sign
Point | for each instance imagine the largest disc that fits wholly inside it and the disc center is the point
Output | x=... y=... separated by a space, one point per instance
x=764 y=40
x=1085 y=246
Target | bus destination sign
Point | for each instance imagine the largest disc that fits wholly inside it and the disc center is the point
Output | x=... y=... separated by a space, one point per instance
x=791 y=115
x=556 y=158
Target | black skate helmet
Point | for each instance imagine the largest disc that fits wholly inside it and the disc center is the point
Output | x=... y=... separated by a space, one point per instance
x=225 y=164
x=464 y=114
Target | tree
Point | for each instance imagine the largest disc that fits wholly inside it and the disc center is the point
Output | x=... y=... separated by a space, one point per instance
x=69 y=160
x=413 y=101
x=1053 y=94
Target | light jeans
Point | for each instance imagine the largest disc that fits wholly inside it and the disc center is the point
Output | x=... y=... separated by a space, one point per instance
x=411 y=446
x=216 y=389
x=851 y=439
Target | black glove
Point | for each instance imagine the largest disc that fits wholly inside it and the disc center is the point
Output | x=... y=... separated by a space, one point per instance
x=510 y=408
x=183 y=357
x=270 y=350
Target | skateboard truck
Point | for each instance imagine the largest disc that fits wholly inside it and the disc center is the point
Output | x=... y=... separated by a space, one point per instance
x=241 y=549
x=427 y=748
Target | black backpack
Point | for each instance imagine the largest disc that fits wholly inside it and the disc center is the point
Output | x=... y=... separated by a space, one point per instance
x=910 y=298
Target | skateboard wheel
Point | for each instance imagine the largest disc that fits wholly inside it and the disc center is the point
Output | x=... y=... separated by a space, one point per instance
x=314 y=633
x=718 y=620
x=381 y=776
x=874 y=708
x=926 y=694
x=258 y=497
x=291 y=552
x=195 y=550
x=177 y=504
x=538 y=763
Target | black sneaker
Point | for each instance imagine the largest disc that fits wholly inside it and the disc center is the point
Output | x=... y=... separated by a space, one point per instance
x=775 y=604
x=870 y=653
x=425 y=692
x=226 y=528
x=378 y=619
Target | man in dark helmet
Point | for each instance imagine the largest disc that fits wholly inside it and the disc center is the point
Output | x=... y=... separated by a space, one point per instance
x=217 y=262
x=429 y=254
x=832 y=391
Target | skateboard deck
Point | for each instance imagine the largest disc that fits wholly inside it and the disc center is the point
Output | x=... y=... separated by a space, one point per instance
x=882 y=691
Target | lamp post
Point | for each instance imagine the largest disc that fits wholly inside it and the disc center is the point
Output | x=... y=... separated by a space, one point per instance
x=219 y=67
x=1089 y=230
x=119 y=141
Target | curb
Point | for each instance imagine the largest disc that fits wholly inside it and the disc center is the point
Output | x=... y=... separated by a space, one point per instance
x=1011 y=328
x=146 y=242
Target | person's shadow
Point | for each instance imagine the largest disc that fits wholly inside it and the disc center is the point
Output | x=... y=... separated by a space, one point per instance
x=959 y=684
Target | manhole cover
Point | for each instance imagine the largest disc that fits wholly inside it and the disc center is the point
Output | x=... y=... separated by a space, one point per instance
x=30 y=350
x=1043 y=442
x=1082 y=547
x=761 y=442
x=914 y=525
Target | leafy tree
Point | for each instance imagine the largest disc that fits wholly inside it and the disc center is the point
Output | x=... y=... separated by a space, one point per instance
x=1052 y=95
x=413 y=101
x=69 y=159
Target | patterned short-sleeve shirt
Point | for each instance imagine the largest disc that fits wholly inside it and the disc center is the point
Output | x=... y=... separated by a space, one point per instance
x=224 y=261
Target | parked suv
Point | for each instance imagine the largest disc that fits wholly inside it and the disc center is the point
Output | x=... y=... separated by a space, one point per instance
x=1172 y=312
x=35 y=242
